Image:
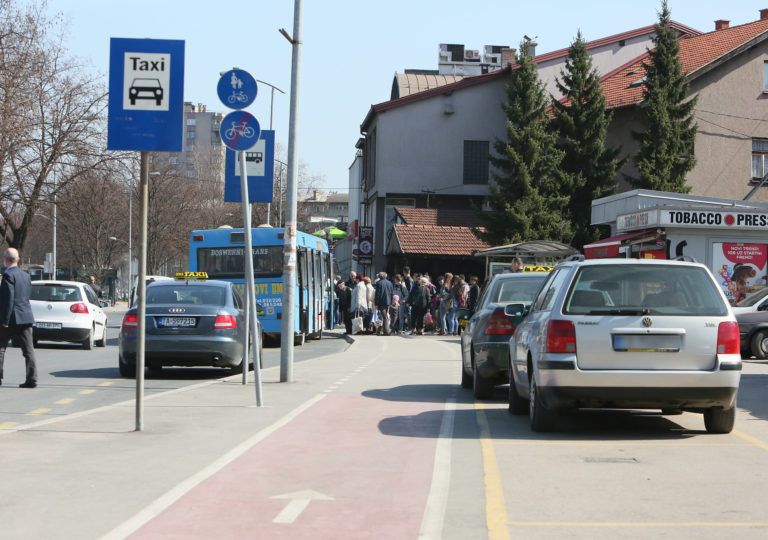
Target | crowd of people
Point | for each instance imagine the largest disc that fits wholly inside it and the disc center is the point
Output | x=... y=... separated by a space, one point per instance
x=404 y=304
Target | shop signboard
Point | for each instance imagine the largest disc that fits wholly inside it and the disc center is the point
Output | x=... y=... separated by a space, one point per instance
x=740 y=268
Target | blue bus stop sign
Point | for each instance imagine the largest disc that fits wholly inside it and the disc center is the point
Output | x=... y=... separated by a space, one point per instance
x=237 y=89
x=239 y=130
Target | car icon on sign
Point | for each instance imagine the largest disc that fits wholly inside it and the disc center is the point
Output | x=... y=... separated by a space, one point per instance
x=145 y=89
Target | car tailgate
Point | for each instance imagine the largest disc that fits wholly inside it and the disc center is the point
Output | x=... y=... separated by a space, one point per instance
x=646 y=343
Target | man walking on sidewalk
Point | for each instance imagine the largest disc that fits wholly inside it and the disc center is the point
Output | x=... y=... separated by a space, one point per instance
x=16 y=317
x=383 y=299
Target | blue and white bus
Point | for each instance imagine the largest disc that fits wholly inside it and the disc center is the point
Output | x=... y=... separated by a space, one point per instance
x=219 y=253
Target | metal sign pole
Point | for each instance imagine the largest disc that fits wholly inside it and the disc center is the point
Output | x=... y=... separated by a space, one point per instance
x=141 y=292
x=250 y=300
x=289 y=263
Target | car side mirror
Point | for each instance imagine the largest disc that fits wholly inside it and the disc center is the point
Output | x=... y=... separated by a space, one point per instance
x=514 y=310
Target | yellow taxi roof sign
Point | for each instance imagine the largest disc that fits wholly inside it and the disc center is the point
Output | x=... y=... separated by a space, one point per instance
x=537 y=268
x=190 y=275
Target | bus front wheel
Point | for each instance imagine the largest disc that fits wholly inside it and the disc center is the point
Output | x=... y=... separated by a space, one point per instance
x=299 y=339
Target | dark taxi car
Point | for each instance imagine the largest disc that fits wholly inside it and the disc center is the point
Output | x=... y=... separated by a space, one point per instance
x=484 y=342
x=188 y=323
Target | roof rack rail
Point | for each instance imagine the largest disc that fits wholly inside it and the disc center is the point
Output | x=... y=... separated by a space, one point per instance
x=578 y=258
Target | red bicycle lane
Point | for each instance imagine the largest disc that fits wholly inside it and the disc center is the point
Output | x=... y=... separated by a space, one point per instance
x=347 y=467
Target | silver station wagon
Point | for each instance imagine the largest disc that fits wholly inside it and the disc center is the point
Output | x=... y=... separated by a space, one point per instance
x=629 y=334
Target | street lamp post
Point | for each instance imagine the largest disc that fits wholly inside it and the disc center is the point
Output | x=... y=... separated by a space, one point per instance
x=53 y=254
x=271 y=111
x=130 y=282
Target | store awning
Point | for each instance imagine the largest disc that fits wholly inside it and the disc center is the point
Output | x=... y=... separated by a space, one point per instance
x=609 y=247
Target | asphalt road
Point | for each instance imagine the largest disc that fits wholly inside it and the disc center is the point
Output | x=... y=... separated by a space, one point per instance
x=72 y=380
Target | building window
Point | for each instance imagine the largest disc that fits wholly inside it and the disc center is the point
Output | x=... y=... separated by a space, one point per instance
x=476 y=155
x=765 y=76
x=190 y=134
x=759 y=158
x=190 y=148
x=173 y=160
x=191 y=121
x=390 y=217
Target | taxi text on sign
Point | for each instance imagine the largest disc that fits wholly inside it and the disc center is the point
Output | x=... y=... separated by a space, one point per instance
x=260 y=167
x=146 y=95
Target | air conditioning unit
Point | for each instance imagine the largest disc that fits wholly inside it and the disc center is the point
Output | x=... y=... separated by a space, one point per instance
x=471 y=54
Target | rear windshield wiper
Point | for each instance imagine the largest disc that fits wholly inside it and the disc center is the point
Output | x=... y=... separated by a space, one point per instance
x=629 y=311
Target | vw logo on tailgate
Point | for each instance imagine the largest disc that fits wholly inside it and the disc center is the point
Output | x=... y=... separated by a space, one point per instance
x=647 y=322
x=177 y=310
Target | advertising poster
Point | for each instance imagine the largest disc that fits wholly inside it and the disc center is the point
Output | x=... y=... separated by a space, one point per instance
x=739 y=268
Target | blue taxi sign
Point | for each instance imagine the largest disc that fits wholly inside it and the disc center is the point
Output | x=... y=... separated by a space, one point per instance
x=237 y=89
x=239 y=130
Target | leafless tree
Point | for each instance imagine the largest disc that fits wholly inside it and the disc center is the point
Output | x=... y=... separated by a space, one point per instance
x=51 y=117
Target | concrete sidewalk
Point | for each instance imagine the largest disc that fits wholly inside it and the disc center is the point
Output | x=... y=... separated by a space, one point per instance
x=91 y=475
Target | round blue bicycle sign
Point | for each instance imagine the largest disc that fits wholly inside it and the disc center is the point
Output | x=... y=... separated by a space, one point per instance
x=239 y=130
x=237 y=89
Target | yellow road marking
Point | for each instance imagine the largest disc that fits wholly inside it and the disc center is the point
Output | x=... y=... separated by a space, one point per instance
x=8 y=425
x=614 y=443
x=638 y=525
x=495 y=506
x=86 y=391
x=38 y=411
x=65 y=401
x=751 y=439
x=105 y=384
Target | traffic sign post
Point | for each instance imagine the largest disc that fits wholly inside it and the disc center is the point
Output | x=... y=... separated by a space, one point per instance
x=260 y=166
x=240 y=131
x=145 y=113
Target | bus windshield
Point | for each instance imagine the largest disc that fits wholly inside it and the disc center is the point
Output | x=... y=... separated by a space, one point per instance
x=227 y=262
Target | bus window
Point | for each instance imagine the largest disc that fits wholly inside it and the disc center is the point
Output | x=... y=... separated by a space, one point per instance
x=227 y=262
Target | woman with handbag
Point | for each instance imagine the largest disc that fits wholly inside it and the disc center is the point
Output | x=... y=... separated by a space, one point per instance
x=359 y=304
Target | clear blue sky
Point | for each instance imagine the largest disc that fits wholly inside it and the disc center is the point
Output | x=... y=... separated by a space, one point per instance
x=351 y=49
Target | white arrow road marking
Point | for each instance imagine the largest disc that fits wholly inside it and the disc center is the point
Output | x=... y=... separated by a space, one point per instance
x=299 y=502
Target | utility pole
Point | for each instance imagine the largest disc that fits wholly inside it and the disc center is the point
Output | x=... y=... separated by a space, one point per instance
x=289 y=254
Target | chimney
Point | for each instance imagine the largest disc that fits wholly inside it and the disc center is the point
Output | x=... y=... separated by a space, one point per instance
x=508 y=56
x=317 y=198
x=722 y=24
x=763 y=14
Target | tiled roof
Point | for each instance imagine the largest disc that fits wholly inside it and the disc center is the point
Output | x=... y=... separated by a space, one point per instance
x=437 y=240
x=443 y=217
x=623 y=87
x=494 y=75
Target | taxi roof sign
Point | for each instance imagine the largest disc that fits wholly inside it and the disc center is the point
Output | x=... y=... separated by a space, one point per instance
x=190 y=275
x=539 y=268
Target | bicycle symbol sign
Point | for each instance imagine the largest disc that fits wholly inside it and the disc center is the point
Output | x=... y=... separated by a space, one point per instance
x=239 y=130
x=237 y=89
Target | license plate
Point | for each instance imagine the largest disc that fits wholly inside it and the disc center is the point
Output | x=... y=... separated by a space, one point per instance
x=176 y=322
x=49 y=325
x=646 y=343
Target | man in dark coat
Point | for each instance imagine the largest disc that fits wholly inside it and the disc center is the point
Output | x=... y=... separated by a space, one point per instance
x=344 y=295
x=16 y=317
x=419 y=301
x=382 y=299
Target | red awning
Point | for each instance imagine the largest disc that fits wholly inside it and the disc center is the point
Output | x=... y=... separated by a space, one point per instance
x=609 y=247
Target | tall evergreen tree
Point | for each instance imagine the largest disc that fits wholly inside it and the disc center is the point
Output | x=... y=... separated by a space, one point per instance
x=527 y=196
x=580 y=123
x=665 y=154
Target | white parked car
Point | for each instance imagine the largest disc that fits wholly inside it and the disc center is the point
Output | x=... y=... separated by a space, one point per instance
x=68 y=311
x=627 y=334
x=757 y=301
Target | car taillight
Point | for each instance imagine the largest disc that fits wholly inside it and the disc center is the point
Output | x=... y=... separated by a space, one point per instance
x=728 y=338
x=498 y=324
x=225 y=321
x=131 y=320
x=561 y=337
x=78 y=308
